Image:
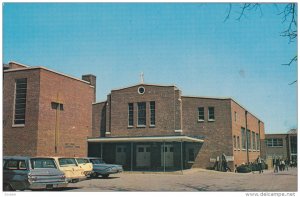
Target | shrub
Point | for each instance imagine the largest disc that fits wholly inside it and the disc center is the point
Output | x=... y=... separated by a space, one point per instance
x=243 y=169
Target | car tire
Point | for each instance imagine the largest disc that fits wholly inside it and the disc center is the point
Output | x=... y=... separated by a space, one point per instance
x=105 y=176
x=94 y=175
x=7 y=187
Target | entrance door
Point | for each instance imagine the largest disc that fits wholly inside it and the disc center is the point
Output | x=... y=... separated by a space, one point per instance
x=168 y=159
x=143 y=155
x=121 y=154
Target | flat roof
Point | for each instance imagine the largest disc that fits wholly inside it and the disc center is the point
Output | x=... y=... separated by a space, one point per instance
x=146 y=139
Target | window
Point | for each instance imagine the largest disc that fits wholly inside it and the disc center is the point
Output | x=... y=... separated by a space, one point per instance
x=67 y=162
x=57 y=106
x=20 y=101
x=200 y=113
x=248 y=139
x=257 y=142
x=211 y=113
x=130 y=114
x=141 y=114
x=243 y=133
x=234 y=141
x=152 y=113
x=274 y=142
x=235 y=116
x=238 y=142
x=141 y=90
x=253 y=141
x=15 y=165
x=140 y=149
x=42 y=163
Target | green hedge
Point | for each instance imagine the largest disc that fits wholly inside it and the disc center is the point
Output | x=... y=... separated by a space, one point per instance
x=243 y=169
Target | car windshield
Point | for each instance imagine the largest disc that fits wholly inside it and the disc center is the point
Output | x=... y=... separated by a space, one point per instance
x=82 y=161
x=97 y=161
x=42 y=163
x=67 y=162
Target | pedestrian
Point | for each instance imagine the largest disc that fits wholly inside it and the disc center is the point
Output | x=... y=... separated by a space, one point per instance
x=287 y=164
x=224 y=163
x=259 y=162
x=276 y=166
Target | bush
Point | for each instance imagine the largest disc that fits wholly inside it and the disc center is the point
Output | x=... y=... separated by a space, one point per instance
x=243 y=169
x=210 y=168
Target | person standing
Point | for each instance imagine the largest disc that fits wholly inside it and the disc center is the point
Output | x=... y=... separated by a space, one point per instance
x=259 y=162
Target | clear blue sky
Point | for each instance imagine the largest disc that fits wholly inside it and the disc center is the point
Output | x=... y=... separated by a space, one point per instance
x=189 y=45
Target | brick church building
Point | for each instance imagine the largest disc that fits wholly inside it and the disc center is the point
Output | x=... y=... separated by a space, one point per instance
x=144 y=126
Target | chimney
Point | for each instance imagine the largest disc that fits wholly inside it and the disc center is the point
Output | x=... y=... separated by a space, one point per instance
x=92 y=80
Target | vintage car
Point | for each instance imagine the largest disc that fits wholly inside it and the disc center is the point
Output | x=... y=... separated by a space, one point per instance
x=102 y=168
x=21 y=173
x=70 y=168
x=85 y=165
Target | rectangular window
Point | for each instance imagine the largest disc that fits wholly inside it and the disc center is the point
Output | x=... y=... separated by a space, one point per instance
x=249 y=139
x=211 y=113
x=59 y=106
x=141 y=114
x=20 y=101
x=200 y=113
x=238 y=142
x=130 y=114
x=235 y=116
x=253 y=141
x=257 y=142
x=243 y=133
x=152 y=113
x=234 y=141
x=274 y=142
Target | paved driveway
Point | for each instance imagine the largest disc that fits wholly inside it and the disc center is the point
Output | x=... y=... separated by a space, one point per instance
x=191 y=180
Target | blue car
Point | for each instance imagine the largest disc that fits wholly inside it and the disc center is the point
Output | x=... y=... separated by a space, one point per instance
x=103 y=169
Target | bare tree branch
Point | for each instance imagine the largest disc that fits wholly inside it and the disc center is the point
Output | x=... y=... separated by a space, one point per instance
x=228 y=14
x=293 y=82
x=294 y=59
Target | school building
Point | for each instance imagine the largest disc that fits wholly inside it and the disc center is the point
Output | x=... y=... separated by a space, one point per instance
x=283 y=146
x=142 y=127
x=154 y=127
x=46 y=113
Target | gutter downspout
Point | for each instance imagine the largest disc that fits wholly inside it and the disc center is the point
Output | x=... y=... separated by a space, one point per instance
x=247 y=143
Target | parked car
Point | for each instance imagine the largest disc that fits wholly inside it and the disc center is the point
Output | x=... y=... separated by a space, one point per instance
x=70 y=168
x=85 y=165
x=21 y=173
x=102 y=168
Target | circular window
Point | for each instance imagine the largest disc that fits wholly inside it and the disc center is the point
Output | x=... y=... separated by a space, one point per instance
x=141 y=90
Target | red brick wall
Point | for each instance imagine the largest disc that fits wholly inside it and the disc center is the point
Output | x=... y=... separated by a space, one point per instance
x=74 y=122
x=99 y=119
x=20 y=140
x=240 y=155
x=165 y=98
x=217 y=134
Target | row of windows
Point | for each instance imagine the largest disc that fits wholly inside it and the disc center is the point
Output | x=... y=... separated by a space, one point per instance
x=274 y=142
x=252 y=138
x=201 y=114
x=141 y=114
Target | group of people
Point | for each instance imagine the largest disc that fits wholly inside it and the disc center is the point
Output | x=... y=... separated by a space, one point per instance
x=281 y=164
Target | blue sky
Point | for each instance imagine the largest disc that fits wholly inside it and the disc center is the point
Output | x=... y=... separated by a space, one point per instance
x=189 y=45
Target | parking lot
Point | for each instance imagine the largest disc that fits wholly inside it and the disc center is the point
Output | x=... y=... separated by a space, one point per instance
x=191 y=180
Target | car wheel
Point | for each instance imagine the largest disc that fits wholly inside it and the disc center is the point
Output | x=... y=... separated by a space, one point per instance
x=105 y=176
x=7 y=187
x=94 y=175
